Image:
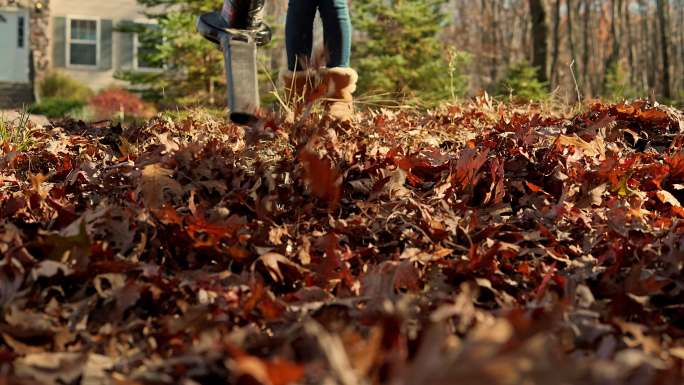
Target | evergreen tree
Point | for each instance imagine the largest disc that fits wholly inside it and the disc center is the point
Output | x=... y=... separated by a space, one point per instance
x=399 y=52
x=617 y=86
x=192 y=67
x=522 y=82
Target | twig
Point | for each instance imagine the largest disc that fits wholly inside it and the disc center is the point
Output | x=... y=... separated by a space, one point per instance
x=574 y=78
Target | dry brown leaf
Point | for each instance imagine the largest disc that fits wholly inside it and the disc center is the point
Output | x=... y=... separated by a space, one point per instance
x=271 y=261
x=322 y=177
x=65 y=368
x=667 y=197
x=591 y=149
x=154 y=182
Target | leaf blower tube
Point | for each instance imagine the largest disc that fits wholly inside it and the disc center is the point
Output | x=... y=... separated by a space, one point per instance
x=238 y=29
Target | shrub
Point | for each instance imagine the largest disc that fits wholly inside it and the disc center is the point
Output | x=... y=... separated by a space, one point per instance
x=57 y=107
x=191 y=62
x=401 y=53
x=521 y=82
x=618 y=87
x=115 y=102
x=58 y=85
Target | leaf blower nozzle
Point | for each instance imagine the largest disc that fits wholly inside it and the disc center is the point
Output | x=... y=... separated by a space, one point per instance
x=237 y=30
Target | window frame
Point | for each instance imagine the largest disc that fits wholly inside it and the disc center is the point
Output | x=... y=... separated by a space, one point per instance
x=69 y=41
x=136 y=47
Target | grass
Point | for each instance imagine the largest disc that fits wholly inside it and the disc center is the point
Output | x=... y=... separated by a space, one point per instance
x=55 y=108
x=16 y=133
x=180 y=114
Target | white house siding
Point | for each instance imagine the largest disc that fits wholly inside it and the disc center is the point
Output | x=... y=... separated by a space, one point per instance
x=115 y=10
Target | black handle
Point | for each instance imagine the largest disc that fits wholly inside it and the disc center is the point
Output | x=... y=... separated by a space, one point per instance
x=243 y=14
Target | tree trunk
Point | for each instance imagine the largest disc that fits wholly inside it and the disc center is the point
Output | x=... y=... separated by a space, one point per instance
x=525 y=36
x=556 y=43
x=664 y=46
x=571 y=46
x=485 y=48
x=612 y=59
x=586 y=46
x=540 y=31
x=680 y=25
x=647 y=51
x=630 y=46
x=495 y=42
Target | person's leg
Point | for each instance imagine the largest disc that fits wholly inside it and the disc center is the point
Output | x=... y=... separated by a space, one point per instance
x=338 y=78
x=337 y=30
x=299 y=32
x=299 y=80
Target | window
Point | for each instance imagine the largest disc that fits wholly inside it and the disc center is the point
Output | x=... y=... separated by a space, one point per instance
x=82 y=42
x=146 y=48
x=21 y=32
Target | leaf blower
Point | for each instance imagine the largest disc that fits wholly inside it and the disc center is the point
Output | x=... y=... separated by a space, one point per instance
x=237 y=30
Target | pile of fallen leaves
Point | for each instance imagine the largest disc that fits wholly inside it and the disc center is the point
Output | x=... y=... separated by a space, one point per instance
x=477 y=244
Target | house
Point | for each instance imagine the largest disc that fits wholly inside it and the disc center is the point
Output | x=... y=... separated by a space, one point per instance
x=77 y=37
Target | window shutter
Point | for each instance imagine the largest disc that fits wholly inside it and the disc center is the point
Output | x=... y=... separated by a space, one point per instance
x=106 y=32
x=59 y=42
x=126 y=51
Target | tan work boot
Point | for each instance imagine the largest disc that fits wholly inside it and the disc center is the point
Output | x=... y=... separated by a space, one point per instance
x=299 y=88
x=340 y=85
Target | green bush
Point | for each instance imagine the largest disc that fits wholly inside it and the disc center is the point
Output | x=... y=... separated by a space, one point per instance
x=400 y=53
x=57 y=107
x=191 y=63
x=58 y=85
x=521 y=82
x=618 y=87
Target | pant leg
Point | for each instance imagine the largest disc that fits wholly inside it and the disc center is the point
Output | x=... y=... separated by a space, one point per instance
x=299 y=32
x=337 y=31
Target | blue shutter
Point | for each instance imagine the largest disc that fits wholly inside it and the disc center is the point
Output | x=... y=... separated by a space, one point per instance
x=106 y=33
x=59 y=42
x=126 y=50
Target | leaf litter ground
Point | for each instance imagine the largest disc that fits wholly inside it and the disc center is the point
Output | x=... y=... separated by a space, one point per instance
x=478 y=244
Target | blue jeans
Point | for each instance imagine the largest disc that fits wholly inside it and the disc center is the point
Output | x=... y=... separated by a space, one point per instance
x=299 y=32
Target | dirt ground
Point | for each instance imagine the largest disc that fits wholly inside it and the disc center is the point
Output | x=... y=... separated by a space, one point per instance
x=10 y=115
